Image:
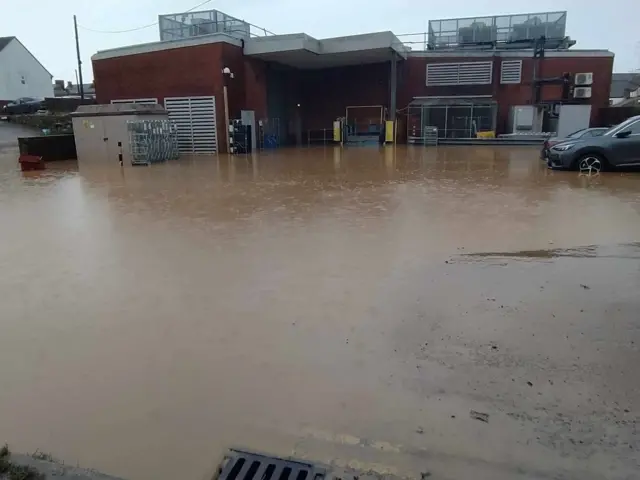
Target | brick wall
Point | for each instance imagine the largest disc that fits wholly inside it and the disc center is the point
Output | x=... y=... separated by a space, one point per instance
x=413 y=74
x=324 y=94
x=414 y=80
x=550 y=67
x=179 y=72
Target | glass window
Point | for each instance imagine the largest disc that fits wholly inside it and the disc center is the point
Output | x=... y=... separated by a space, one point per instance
x=577 y=134
x=634 y=128
x=556 y=17
x=449 y=26
x=488 y=21
x=537 y=18
x=621 y=127
x=503 y=21
x=596 y=132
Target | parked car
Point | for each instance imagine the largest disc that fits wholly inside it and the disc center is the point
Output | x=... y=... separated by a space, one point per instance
x=617 y=147
x=23 y=105
x=583 y=133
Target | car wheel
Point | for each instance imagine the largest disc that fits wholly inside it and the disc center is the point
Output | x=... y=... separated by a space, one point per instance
x=591 y=164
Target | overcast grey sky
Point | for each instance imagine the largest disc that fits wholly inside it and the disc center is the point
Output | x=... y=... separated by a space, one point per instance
x=46 y=26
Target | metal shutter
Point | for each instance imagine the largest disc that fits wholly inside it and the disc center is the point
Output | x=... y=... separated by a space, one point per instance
x=511 y=71
x=467 y=73
x=195 y=118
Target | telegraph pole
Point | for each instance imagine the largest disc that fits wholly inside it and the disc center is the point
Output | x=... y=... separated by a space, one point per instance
x=80 y=84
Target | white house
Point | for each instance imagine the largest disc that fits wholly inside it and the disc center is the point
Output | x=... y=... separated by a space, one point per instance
x=21 y=74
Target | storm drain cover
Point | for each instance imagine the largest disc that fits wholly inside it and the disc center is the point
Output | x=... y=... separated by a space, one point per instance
x=240 y=465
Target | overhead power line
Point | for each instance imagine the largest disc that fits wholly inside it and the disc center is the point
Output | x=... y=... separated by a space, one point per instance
x=118 y=31
x=138 y=28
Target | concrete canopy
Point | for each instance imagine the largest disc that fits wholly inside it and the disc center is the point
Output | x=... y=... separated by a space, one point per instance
x=302 y=51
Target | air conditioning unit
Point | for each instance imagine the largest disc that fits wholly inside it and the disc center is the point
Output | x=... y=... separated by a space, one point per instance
x=583 y=79
x=582 y=92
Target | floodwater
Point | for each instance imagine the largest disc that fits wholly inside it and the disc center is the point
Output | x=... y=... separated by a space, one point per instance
x=350 y=306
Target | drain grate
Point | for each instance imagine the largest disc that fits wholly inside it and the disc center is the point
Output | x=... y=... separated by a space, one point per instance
x=239 y=465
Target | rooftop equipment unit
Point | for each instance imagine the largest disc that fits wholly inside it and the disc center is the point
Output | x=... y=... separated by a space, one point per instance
x=477 y=32
x=582 y=92
x=582 y=79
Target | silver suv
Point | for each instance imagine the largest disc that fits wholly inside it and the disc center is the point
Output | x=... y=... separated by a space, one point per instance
x=617 y=147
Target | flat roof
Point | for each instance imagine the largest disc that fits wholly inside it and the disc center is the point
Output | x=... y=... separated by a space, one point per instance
x=300 y=50
x=116 y=109
x=296 y=50
x=303 y=51
x=166 y=45
x=523 y=53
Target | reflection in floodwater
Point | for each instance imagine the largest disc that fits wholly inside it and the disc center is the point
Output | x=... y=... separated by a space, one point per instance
x=630 y=250
x=317 y=303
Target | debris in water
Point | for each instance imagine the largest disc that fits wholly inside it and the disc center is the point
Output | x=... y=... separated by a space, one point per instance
x=420 y=430
x=586 y=287
x=483 y=417
x=530 y=384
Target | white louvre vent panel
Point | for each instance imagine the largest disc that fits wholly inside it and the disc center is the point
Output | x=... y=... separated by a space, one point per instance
x=442 y=74
x=475 y=73
x=511 y=71
x=195 y=118
x=467 y=73
x=139 y=101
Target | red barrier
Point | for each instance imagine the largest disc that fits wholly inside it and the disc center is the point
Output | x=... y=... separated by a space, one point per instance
x=31 y=162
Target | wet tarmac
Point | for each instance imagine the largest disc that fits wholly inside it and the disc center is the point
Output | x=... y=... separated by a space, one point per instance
x=351 y=306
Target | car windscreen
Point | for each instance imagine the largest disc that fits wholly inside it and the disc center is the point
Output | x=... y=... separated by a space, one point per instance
x=577 y=134
x=598 y=132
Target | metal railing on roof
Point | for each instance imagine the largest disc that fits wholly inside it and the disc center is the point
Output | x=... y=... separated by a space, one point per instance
x=415 y=41
x=420 y=42
x=454 y=32
x=505 y=31
x=193 y=24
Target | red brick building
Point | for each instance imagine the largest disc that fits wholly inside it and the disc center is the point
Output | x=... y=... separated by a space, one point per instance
x=306 y=83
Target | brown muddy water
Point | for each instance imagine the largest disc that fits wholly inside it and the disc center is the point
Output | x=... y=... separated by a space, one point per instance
x=340 y=305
